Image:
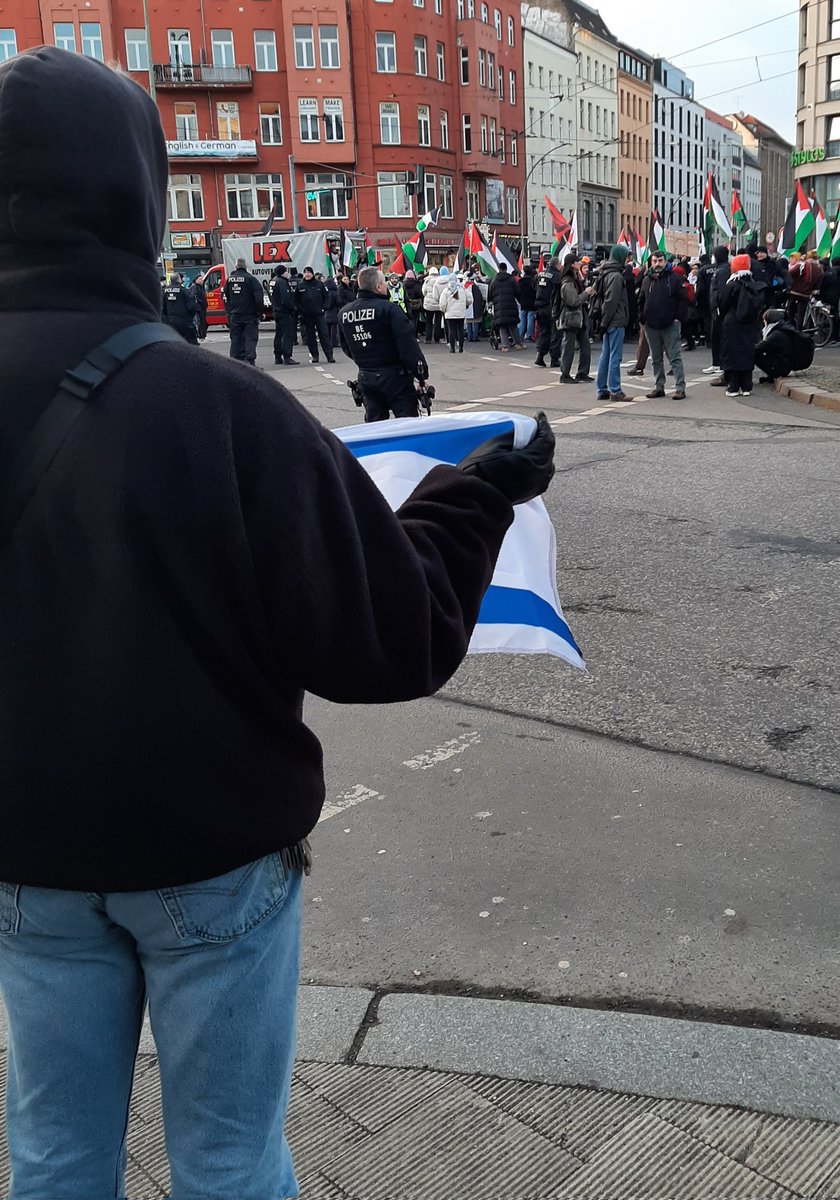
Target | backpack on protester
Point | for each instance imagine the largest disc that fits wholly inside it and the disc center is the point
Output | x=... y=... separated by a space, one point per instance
x=803 y=351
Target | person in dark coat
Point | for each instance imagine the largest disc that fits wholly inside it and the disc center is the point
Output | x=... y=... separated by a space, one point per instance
x=199 y=554
x=284 y=310
x=720 y=273
x=331 y=308
x=413 y=292
x=179 y=309
x=526 y=296
x=702 y=298
x=312 y=303
x=774 y=354
x=632 y=300
x=830 y=292
x=549 y=337
x=502 y=295
x=243 y=297
x=740 y=306
x=199 y=294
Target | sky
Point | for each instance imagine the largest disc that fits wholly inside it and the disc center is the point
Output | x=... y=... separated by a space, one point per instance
x=725 y=74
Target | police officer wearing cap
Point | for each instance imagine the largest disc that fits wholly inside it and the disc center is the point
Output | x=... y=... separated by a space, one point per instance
x=380 y=339
x=179 y=308
x=243 y=296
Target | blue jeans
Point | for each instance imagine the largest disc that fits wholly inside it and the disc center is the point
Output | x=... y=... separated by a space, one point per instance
x=609 y=364
x=526 y=325
x=218 y=962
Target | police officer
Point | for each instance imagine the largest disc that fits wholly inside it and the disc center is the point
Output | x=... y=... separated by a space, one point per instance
x=284 y=308
x=380 y=339
x=243 y=296
x=179 y=309
x=199 y=294
x=550 y=338
x=312 y=303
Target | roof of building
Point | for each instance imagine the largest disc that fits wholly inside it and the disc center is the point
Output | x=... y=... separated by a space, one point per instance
x=717 y=119
x=636 y=52
x=588 y=18
x=758 y=128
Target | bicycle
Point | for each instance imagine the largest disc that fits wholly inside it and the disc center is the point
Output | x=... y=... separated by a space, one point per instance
x=817 y=321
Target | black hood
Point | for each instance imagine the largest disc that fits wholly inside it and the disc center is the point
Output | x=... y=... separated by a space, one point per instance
x=83 y=172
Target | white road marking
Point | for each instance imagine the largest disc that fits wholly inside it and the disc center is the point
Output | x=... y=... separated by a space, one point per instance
x=463 y=407
x=510 y=395
x=543 y=387
x=422 y=762
x=593 y=412
x=521 y=366
x=569 y=420
x=354 y=795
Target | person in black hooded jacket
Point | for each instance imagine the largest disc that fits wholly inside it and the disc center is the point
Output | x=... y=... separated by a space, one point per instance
x=197 y=554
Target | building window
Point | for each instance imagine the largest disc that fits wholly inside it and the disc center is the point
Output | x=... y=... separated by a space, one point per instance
x=466 y=133
x=512 y=86
x=471 y=196
x=394 y=200
x=334 y=120
x=419 y=3
x=308 y=120
x=91 y=32
x=389 y=124
x=64 y=36
x=221 y=47
x=541 y=78
x=445 y=198
x=587 y=220
x=493 y=145
x=424 y=126
x=328 y=46
x=430 y=194
x=803 y=26
x=833 y=80
x=420 y=64
x=441 y=63
x=227 y=117
x=482 y=69
x=180 y=52
x=502 y=146
x=510 y=28
x=325 y=195
x=483 y=135
x=304 y=46
x=444 y=131
x=491 y=71
x=460 y=10
x=514 y=149
x=136 y=50
x=497 y=22
x=386 y=53
x=501 y=78
x=186 y=123
x=513 y=206
x=184 y=201
x=439 y=7
x=530 y=74
x=832 y=137
x=271 y=133
x=485 y=14
x=464 y=56
x=252 y=196
x=265 y=52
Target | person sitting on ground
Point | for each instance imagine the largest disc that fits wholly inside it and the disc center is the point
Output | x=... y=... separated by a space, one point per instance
x=780 y=350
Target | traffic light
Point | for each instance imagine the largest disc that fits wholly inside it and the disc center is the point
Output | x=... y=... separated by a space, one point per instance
x=421 y=180
x=410 y=182
x=348 y=188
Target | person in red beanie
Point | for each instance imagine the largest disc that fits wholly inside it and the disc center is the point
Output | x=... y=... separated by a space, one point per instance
x=740 y=305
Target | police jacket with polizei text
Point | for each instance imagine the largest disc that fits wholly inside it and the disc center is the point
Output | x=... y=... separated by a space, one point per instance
x=179 y=306
x=243 y=295
x=311 y=297
x=281 y=295
x=376 y=333
x=544 y=289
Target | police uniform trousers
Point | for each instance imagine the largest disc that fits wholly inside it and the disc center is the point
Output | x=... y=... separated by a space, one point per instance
x=244 y=333
x=284 y=335
x=315 y=327
x=550 y=338
x=388 y=390
x=187 y=331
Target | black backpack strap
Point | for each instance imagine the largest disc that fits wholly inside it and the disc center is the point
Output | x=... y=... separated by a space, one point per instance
x=78 y=386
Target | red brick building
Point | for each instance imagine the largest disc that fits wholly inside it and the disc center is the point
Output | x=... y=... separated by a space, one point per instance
x=326 y=110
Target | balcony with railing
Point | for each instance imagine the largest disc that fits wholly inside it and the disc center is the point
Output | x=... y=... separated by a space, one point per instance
x=196 y=75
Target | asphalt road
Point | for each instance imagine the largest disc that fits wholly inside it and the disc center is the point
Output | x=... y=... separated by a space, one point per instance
x=661 y=832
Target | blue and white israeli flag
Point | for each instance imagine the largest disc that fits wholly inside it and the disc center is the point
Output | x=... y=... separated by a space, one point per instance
x=521 y=612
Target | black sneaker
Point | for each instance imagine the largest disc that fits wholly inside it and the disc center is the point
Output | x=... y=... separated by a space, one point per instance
x=539 y=361
x=567 y=379
x=585 y=378
x=603 y=396
x=291 y=362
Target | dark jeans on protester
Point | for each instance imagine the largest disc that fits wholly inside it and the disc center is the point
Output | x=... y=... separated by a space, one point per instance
x=388 y=390
x=717 y=335
x=796 y=307
x=284 y=335
x=455 y=332
x=642 y=350
x=244 y=334
x=736 y=380
x=434 y=325
x=576 y=338
x=549 y=340
x=315 y=328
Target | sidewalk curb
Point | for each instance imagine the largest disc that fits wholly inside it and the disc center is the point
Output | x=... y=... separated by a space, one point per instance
x=808 y=395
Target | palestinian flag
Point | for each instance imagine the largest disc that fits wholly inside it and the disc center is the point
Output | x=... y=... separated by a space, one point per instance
x=272 y=217
x=349 y=253
x=520 y=263
x=571 y=239
x=430 y=218
x=463 y=252
x=482 y=253
x=371 y=256
x=714 y=217
x=503 y=253
x=414 y=251
x=559 y=224
x=835 y=241
x=740 y=224
x=823 y=233
x=638 y=247
x=329 y=268
x=656 y=236
x=799 y=222
x=399 y=265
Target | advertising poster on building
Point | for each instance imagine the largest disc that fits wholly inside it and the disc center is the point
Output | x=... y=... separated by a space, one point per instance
x=494 y=198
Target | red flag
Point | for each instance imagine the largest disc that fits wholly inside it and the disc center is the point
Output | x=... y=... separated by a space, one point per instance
x=541 y=264
x=559 y=223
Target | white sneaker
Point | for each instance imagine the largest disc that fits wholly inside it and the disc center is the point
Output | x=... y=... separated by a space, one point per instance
x=730 y=393
x=711 y=370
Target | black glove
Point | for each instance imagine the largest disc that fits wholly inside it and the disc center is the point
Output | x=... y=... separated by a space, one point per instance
x=519 y=475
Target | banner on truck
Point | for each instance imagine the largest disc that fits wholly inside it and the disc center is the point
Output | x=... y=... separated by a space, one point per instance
x=263 y=254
